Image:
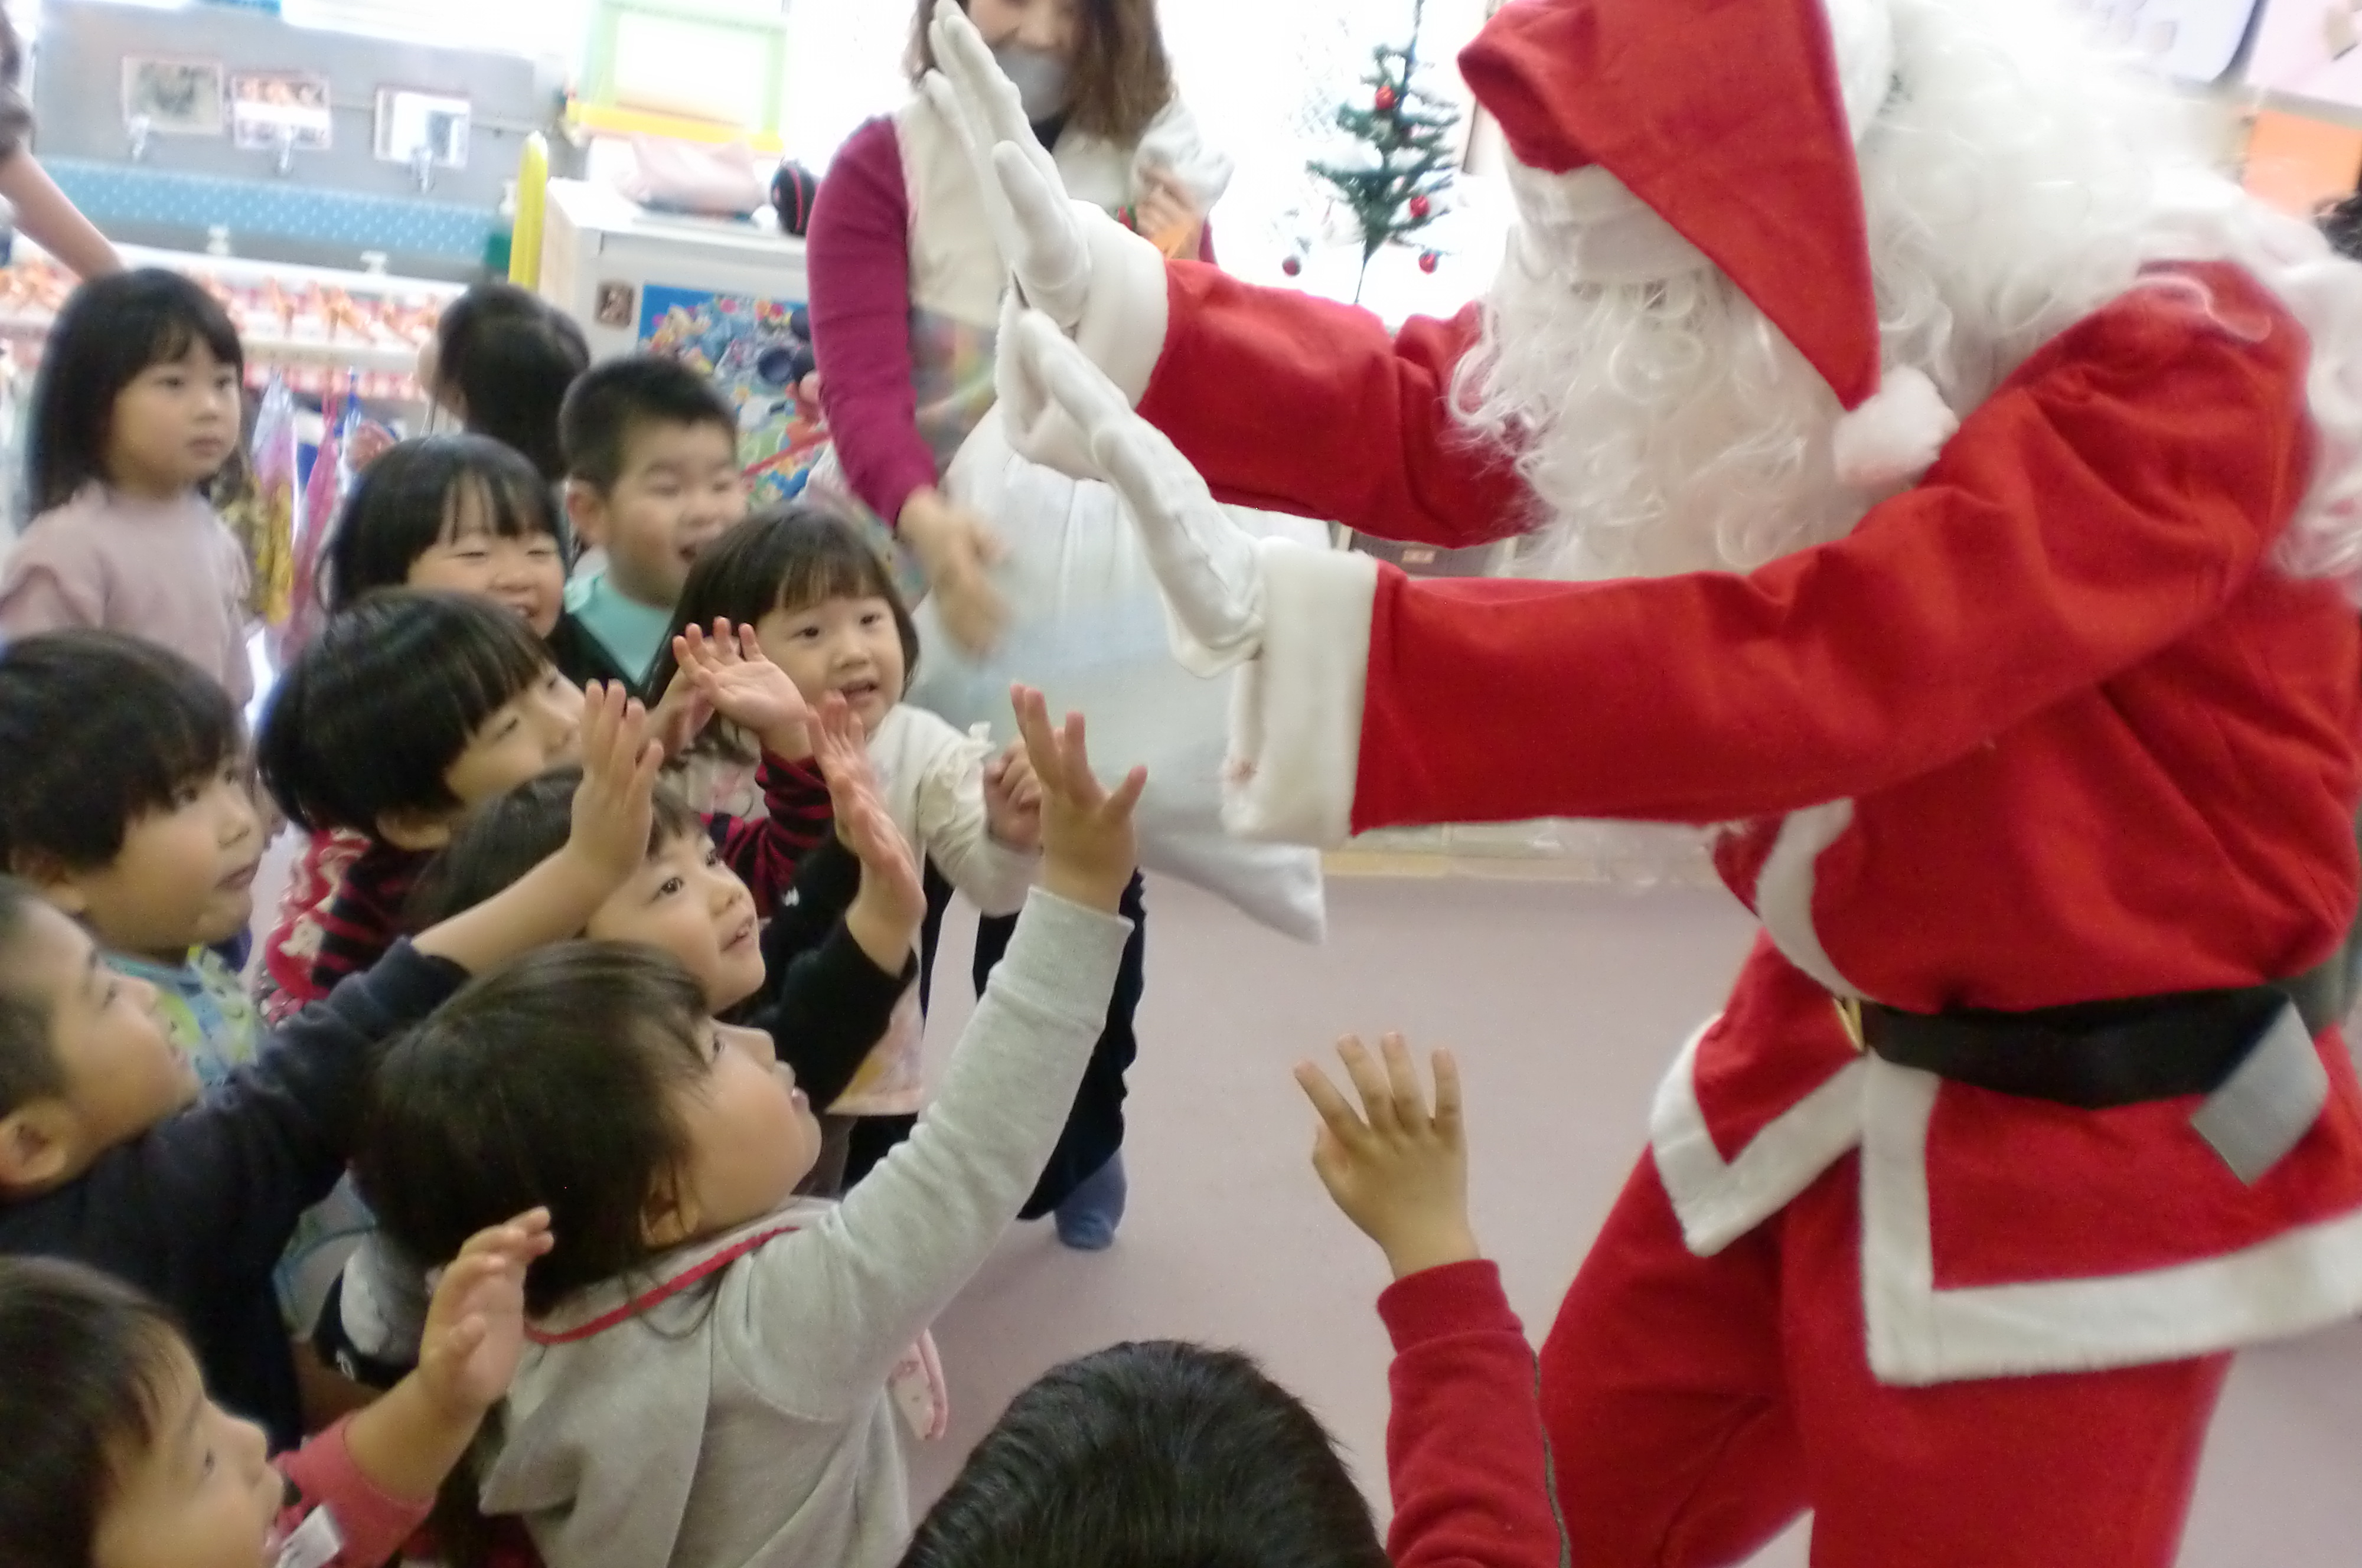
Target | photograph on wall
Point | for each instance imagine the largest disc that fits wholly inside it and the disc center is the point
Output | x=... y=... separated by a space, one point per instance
x=173 y=97
x=409 y=122
x=265 y=106
x=2309 y=48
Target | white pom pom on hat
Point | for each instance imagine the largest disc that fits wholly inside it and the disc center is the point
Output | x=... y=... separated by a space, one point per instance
x=1894 y=437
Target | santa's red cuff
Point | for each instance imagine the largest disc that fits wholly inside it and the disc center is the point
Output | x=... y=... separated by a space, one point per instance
x=1295 y=714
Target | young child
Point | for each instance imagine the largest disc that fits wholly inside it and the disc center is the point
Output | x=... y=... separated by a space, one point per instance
x=118 y=1459
x=653 y=477
x=1197 y=1451
x=136 y=408
x=500 y=360
x=825 y=610
x=126 y=801
x=465 y=513
x=457 y=512
x=110 y=1155
x=823 y=989
x=405 y=710
x=709 y=1379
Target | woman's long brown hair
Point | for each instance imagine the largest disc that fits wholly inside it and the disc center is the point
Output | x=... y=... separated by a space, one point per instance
x=1122 y=77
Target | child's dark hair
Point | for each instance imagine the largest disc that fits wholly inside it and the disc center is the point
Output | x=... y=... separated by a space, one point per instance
x=1157 y=1454
x=88 y=1361
x=2342 y=226
x=617 y=397
x=548 y=1083
x=99 y=730
x=511 y=354
x=783 y=558
x=409 y=502
x=111 y=329
x=29 y=1068
x=502 y=839
x=1122 y=78
x=384 y=699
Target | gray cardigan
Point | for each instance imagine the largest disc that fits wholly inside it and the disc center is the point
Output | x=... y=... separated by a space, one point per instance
x=745 y=1419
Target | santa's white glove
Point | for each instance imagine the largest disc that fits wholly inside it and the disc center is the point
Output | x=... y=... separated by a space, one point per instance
x=1037 y=227
x=1102 y=284
x=1208 y=568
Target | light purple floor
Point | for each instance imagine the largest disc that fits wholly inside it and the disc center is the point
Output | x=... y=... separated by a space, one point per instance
x=1564 y=1002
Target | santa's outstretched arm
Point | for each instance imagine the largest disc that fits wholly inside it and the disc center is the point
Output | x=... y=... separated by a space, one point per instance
x=1282 y=401
x=2112 y=496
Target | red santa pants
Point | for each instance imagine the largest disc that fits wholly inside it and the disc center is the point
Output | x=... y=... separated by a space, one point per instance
x=1696 y=1405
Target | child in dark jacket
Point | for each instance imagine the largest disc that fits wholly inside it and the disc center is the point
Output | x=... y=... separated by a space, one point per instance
x=110 y=1156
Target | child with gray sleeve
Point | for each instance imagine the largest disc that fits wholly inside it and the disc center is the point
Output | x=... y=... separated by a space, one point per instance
x=709 y=1381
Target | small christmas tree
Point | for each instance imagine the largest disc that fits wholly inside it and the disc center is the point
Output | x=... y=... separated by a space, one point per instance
x=1406 y=163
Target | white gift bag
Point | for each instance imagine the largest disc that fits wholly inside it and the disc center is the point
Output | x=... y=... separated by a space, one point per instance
x=1085 y=626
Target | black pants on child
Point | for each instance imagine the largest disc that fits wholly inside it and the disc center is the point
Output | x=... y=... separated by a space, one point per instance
x=1094 y=1129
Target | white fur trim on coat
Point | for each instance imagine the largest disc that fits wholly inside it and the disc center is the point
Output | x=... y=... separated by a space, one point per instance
x=1720 y=1200
x=2305 y=1278
x=1295 y=714
x=1126 y=314
x=1783 y=890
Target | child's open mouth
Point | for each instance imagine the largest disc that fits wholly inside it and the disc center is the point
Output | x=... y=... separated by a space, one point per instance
x=859 y=691
x=740 y=935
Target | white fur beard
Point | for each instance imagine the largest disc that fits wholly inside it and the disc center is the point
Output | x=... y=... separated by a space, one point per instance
x=1665 y=427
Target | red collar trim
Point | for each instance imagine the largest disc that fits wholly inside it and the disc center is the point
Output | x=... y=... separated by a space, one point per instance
x=662 y=1293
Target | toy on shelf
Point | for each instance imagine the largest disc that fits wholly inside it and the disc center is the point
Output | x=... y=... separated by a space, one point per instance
x=311 y=328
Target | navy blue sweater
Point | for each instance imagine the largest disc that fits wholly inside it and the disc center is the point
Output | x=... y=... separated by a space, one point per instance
x=197 y=1210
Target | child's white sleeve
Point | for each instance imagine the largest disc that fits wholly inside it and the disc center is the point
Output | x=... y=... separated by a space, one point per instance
x=953 y=833
x=818 y=1320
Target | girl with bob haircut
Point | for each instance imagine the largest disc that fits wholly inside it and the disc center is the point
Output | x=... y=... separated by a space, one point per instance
x=138 y=407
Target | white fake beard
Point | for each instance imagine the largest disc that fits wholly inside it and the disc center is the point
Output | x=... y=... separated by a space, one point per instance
x=1664 y=427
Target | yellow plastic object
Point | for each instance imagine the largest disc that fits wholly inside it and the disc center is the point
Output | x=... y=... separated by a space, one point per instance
x=532 y=193
x=609 y=121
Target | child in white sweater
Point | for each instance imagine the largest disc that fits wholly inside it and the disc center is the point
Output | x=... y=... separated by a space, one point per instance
x=824 y=609
x=709 y=1381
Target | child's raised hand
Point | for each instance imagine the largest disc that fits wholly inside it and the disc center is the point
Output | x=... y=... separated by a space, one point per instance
x=739 y=681
x=1397 y=1169
x=1089 y=850
x=892 y=900
x=475 y=1324
x=1012 y=798
x=681 y=714
x=614 y=808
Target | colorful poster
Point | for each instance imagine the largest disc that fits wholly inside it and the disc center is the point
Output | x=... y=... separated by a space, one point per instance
x=756 y=350
x=2309 y=48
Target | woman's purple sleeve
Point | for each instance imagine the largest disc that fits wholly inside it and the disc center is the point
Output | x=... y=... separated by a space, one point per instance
x=857 y=258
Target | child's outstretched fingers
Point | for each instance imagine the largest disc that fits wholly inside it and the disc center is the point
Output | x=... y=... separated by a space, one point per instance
x=475 y=1322
x=839 y=746
x=615 y=803
x=1397 y=1170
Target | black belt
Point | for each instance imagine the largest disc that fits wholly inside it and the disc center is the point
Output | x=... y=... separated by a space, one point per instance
x=2103 y=1054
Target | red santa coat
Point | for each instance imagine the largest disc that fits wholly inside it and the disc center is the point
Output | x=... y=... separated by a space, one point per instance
x=2048 y=727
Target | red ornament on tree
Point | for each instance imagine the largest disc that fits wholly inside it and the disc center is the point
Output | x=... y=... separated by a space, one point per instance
x=1291 y=265
x=1421 y=206
x=1427 y=259
x=1384 y=100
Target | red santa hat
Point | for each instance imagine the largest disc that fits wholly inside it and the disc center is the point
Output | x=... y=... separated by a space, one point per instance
x=1734 y=120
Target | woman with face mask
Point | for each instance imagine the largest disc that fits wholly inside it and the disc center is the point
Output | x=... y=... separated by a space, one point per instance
x=906 y=285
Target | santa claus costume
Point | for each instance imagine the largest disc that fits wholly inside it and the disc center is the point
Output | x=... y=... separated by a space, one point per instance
x=2030 y=734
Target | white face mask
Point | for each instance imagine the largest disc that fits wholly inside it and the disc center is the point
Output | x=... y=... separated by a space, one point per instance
x=1588 y=227
x=1039 y=77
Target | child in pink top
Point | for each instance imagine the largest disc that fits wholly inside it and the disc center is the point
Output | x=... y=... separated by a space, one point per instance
x=137 y=409
x=118 y=1459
